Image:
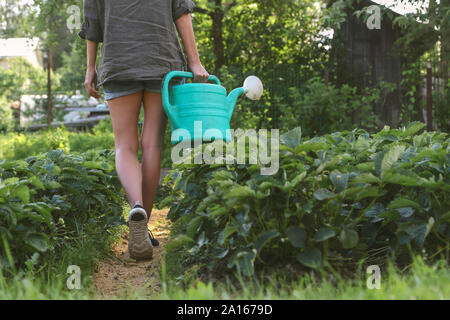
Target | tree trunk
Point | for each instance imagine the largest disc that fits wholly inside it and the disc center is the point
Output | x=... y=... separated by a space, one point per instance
x=49 y=87
x=445 y=43
x=20 y=111
x=217 y=35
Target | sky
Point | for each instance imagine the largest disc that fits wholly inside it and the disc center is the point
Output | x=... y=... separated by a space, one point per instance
x=403 y=7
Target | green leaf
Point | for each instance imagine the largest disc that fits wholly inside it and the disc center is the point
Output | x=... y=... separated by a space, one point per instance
x=12 y=214
x=377 y=161
x=52 y=184
x=366 y=178
x=389 y=137
x=192 y=227
x=404 y=180
x=390 y=158
x=324 y=233
x=38 y=240
x=445 y=217
x=405 y=212
x=55 y=155
x=311 y=258
x=221 y=253
x=22 y=192
x=10 y=181
x=339 y=180
x=323 y=194
x=311 y=146
x=430 y=225
x=296 y=236
x=375 y=211
x=420 y=232
x=240 y=192
x=265 y=185
x=37 y=183
x=389 y=216
x=366 y=166
x=179 y=242
x=93 y=165
x=292 y=138
x=368 y=192
x=412 y=129
x=7 y=249
x=403 y=203
x=265 y=237
x=222 y=175
x=359 y=193
x=298 y=179
x=245 y=262
x=349 y=238
x=42 y=208
x=228 y=231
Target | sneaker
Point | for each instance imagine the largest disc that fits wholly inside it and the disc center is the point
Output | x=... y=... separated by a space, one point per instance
x=139 y=243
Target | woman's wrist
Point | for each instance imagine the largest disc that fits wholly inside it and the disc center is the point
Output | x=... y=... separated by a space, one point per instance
x=91 y=55
x=195 y=63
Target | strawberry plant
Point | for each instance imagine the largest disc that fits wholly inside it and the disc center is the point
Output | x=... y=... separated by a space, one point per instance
x=50 y=200
x=337 y=200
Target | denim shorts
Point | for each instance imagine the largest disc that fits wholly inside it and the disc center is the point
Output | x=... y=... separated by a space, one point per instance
x=119 y=88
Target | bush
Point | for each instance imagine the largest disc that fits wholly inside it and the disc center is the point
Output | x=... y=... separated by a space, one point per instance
x=58 y=138
x=17 y=146
x=21 y=145
x=48 y=201
x=338 y=200
x=323 y=109
x=6 y=115
x=82 y=142
x=441 y=110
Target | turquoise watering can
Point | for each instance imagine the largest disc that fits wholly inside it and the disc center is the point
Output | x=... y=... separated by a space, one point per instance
x=199 y=103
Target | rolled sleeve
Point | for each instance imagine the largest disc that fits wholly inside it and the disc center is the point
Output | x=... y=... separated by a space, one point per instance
x=92 y=29
x=180 y=7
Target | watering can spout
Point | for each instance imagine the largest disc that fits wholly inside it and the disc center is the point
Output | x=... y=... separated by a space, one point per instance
x=232 y=98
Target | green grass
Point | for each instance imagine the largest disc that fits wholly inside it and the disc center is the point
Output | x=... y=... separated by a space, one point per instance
x=20 y=145
x=421 y=282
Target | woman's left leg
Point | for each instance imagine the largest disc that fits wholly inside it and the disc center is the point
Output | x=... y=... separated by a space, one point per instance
x=124 y=113
x=155 y=121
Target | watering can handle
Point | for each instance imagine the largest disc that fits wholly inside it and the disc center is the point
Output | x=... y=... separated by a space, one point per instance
x=172 y=74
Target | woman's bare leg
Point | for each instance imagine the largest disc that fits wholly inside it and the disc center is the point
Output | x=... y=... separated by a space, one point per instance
x=124 y=113
x=155 y=121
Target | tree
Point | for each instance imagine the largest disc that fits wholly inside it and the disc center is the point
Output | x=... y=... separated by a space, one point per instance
x=216 y=10
x=21 y=77
x=49 y=23
x=13 y=16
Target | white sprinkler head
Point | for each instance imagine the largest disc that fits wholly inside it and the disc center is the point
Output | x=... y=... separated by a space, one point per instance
x=254 y=87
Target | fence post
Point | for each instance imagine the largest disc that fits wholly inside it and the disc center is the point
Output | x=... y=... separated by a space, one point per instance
x=429 y=98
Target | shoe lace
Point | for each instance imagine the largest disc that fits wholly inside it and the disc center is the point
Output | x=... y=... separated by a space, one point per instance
x=155 y=242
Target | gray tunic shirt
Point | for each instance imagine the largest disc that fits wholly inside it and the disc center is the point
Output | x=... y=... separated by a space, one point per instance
x=139 y=37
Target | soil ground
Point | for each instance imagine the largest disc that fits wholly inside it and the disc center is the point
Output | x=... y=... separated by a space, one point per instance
x=118 y=275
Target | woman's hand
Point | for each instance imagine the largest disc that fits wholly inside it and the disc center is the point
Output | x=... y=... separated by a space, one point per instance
x=90 y=82
x=200 y=74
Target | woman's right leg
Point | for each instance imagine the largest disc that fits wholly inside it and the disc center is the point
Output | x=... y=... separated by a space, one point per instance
x=153 y=130
x=124 y=112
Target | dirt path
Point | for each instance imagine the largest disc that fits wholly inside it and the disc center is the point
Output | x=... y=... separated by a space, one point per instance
x=118 y=275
